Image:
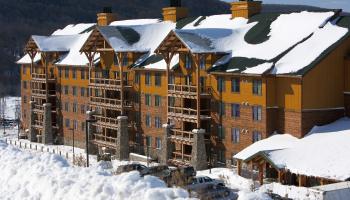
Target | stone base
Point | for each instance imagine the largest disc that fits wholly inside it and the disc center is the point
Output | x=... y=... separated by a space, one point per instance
x=199 y=154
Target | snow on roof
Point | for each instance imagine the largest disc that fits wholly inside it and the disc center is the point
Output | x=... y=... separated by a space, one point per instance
x=27 y=60
x=56 y=43
x=74 y=29
x=136 y=38
x=324 y=152
x=272 y=143
x=132 y=22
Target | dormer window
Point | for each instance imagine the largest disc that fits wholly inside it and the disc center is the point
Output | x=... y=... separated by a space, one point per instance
x=202 y=62
x=188 y=62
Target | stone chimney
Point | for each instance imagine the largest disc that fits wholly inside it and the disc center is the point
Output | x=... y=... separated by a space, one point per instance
x=175 y=11
x=105 y=17
x=245 y=8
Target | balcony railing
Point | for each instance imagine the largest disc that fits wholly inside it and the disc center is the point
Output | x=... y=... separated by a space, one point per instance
x=191 y=90
x=109 y=83
x=42 y=92
x=107 y=122
x=188 y=135
x=42 y=76
x=110 y=141
x=113 y=103
x=181 y=157
x=38 y=123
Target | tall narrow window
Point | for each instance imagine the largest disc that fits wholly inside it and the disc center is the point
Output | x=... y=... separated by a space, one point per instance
x=235 y=135
x=158 y=143
x=148 y=78
x=221 y=84
x=148 y=120
x=125 y=59
x=235 y=85
x=256 y=136
x=221 y=108
x=235 y=110
x=188 y=80
x=257 y=113
x=74 y=91
x=74 y=73
x=202 y=62
x=82 y=74
x=158 y=79
x=137 y=77
x=66 y=90
x=75 y=107
x=149 y=141
x=257 y=87
x=221 y=132
x=157 y=100
x=67 y=123
x=66 y=73
x=82 y=91
x=148 y=101
x=157 y=122
x=188 y=61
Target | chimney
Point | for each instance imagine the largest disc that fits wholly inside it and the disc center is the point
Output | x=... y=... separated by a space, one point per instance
x=175 y=11
x=105 y=17
x=245 y=8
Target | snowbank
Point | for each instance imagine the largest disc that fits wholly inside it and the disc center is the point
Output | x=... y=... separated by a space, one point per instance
x=26 y=175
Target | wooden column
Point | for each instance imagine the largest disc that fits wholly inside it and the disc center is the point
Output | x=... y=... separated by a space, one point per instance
x=196 y=59
x=167 y=57
x=261 y=174
x=121 y=71
x=280 y=176
x=239 y=167
x=302 y=180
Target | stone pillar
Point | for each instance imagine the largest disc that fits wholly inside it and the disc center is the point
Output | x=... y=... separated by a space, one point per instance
x=167 y=146
x=47 y=135
x=32 y=132
x=199 y=153
x=122 y=151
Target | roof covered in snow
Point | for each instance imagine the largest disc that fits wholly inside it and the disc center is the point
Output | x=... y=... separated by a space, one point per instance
x=324 y=152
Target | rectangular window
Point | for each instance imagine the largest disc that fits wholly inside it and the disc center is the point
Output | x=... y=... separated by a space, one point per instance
x=82 y=126
x=125 y=59
x=24 y=99
x=235 y=135
x=157 y=100
x=158 y=143
x=82 y=74
x=221 y=84
x=158 y=122
x=256 y=136
x=66 y=90
x=137 y=98
x=148 y=121
x=235 y=110
x=82 y=91
x=221 y=132
x=149 y=141
x=75 y=124
x=158 y=79
x=137 y=77
x=67 y=123
x=202 y=62
x=75 y=107
x=221 y=108
x=66 y=73
x=25 y=84
x=59 y=72
x=235 y=85
x=74 y=73
x=74 y=91
x=148 y=101
x=24 y=69
x=221 y=156
x=257 y=113
x=82 y=109
x=188 y=62
x=138 y=138
x=148 y=78
x=171 y=101
x=257 y=87
x=138 y=117
x=66 y=106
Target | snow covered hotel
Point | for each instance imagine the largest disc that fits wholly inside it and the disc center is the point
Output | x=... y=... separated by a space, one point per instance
x=187 y=90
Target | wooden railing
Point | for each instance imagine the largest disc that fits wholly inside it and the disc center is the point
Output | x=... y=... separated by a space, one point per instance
x=182 y=134
x=181 y=157
x=107 y=120
x=187 y=89
x=38 y=107
x=43 y=92
x=38 y=123
x=111 y=102
x=42 y=76
x=182 y=111
x=103 y=138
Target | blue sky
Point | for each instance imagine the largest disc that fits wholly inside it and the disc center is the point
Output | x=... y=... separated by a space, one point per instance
x=343 y=4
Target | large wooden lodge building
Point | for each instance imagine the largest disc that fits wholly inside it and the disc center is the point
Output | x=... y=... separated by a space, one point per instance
x=187 y=89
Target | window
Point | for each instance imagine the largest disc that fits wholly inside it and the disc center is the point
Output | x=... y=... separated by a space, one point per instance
x=66 y=106
x=149 y=141
x=157 y=100
x=25 y=84
x=157 y=122
x=188 y=62
x=148 y=120
x=171 y=101
x=105 y=73
x=221 y=132
x=137 y=98
x=221 y=108
x=257 y=112
x=24 y=99
x=256 y=136
x=82 y=74
x=75 y=107
x=148 y=78
x=148 y=100
x=75 y=124
x=257 y=87
x=235 y=85
x=158 y=143
x=67 y=123
x=235 y=135
x=221 y=156
x=59 y=72
x=221 y=84
x=188 y=80
x=74 y=91
x=82 y=109
x=171 y=79
x=66 y=89
x=24 y=70
x=74 y=73
x=66 y=73
x=137 y=77
x=125 y=61
x=202 y=62
x=137 y=117
x=235 y=110
x=158 y=79
x=82 y=126
x=137 y=138
x=82 y=91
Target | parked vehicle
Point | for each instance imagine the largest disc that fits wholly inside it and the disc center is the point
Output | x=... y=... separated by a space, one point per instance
x=132 y=167
x=204 y=183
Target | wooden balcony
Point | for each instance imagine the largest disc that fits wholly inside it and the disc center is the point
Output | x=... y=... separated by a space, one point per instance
x=38 y=124
x=41 y=93
x=107 y=122
x=180 y=136
x=187 y=91
x=36 y=77
x=38 y=109
x=187 y=114
x=103 y=140
x=110 y=84
x=115 y=104
x=180 y=159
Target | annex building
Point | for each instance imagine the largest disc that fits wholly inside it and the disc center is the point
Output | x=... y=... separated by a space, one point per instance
x=187 y=90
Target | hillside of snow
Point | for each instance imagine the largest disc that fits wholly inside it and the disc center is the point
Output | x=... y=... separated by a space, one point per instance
x=27 y=175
